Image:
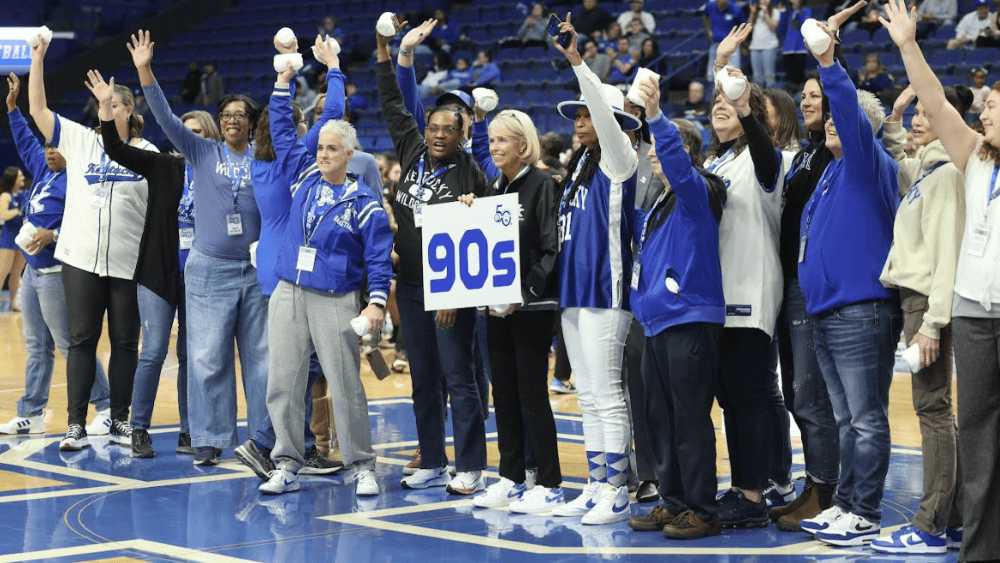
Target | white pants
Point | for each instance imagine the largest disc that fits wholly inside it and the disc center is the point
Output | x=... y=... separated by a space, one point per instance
x=595 y=344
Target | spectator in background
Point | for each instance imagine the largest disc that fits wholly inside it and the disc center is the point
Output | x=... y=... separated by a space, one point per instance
x=649 y=52
x=873 y=76
x=590 y=17
x=611 y=36
x=636 y=34
x=457 y=77
x=764 y=42
x=720 y=16
x=485 y=73
x=551 y=145
x=445 y=34
x=978 y=28
x=141 y=107
x=437 y=74
x=212 y=86
x=980 y=90
x=623 y=62
x=191 y=86
x=355 y=100
x=534 y=29
x=793 y=47
x=647 y=19
x=90 y=118
x=934 y=13
x=695 y=105
x=599 y=63
x=330 y=29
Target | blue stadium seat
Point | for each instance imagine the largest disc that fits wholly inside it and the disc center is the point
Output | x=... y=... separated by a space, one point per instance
x=947 y=57
x=981 y=57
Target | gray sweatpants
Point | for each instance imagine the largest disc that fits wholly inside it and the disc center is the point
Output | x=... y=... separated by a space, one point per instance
x=298 y=319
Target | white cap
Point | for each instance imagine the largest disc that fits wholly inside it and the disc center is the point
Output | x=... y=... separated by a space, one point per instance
x=294 y=58
x=385 y=27
x=46 y=34
x=486 y=99
x=815 y=38
x=285 y=36
x=732 y=86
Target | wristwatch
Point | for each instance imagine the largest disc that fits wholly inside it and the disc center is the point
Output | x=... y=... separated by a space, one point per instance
x=55 y=235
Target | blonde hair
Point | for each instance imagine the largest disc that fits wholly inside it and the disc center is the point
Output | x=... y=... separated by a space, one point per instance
x=206 y=122
x=135 y=121
x=518 y=124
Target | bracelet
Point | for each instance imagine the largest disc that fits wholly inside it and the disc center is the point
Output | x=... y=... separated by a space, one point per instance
x=405 y=53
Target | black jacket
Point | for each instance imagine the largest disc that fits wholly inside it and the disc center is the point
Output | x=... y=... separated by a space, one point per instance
x=464 y=178
x=158 y=268
x=807 y=168
x=536 y=192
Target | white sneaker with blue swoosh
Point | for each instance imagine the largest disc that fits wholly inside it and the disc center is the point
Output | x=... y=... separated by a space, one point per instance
x=581 y=504
x=539 y=500
x=502 y=493
x=850 y=530
x=281 y=481
x=911 y=539
x=612 y=506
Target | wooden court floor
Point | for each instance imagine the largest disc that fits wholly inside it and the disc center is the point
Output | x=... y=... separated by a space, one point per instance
x=57 y=509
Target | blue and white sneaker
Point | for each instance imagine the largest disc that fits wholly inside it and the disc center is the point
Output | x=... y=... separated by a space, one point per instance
x=539 y=500
x=281 y=481
x=101 y=425
x=954 y=536
x=850 y=530
x=562 y=387
x=823 y=520
x=424 y=478
x=779 y=495
x=612 y=506
x=581 y=504
x=502 y=493
x=24 y=425
x=910 y=539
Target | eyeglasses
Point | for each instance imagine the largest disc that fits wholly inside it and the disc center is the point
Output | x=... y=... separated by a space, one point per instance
x=238 y=116
x=447 y=130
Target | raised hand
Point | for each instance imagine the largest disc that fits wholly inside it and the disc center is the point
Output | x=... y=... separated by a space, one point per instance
x=382 y=41
x=570 y=52
x=285 y=76
x=417 y=35
x=13 y=88
x=649 y=91
x=325 y=53
x=293 y=48
x=741 y=104
x=826 y=57
x=141 y=48
x=838 y=19
x=101 y=90
x=731 y=43
x=905 y=98
x=902 y=26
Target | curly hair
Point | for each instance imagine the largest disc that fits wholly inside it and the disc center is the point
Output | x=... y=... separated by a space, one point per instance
x=758 y=108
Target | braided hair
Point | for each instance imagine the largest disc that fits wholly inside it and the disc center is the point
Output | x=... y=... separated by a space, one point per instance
x=589 y=167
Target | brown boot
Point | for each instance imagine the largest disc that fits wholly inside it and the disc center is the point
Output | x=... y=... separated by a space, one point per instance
x=820 y=499
x=688 y=526
x=777 y=512
x=321 y=416
x=414 y=465
x=652 y=522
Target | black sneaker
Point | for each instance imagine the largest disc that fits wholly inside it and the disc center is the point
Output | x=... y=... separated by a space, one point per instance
x=75 y=440
x=316 y=464
x=120 y=433
x=184 y=444
x=737 y=511
x=141 y=445
x=253 y=457
x=207 y=455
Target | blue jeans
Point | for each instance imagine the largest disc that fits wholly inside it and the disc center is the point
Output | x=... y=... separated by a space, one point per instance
x=763 y=62
x=855 y=346
x=43 y=313
x=437 y=353
x=810 y=402
x=224 y=302
x=264 y=435
x=481 y=352
x=157 y=318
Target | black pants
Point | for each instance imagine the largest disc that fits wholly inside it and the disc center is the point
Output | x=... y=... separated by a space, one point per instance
x=795 y=69
x=562 y=370
x=679 y=370
x=88 y=296
x=634 y=345
x=519 y=358
x=744 y=393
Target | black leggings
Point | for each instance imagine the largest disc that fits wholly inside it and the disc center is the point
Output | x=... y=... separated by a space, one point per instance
x=88 y=296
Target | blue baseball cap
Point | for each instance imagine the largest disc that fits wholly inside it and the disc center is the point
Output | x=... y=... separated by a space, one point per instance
x=979 y=3
x=456 y=96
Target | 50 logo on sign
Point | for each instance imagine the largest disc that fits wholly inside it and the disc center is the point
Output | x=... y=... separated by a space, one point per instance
x=471 y=254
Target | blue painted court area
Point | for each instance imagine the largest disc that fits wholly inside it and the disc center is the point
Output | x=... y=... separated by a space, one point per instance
x=102 y=505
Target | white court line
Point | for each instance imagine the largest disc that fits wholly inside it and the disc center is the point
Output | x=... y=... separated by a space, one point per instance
x=146 y=546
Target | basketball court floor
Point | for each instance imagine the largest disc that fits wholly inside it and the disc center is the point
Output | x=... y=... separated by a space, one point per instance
x=101 y=505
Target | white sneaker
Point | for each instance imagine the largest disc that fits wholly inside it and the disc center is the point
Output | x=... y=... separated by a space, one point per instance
x=850 y=530
x=612 y=506
x=466 y=483
x=581 y=504
x=365 y=483
x=281 y=481
x=24 y=425
x=823 y=521
x=539 y=500
x=101 y=425
x=502 y=493
x=424 y=478
x=529 y=478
